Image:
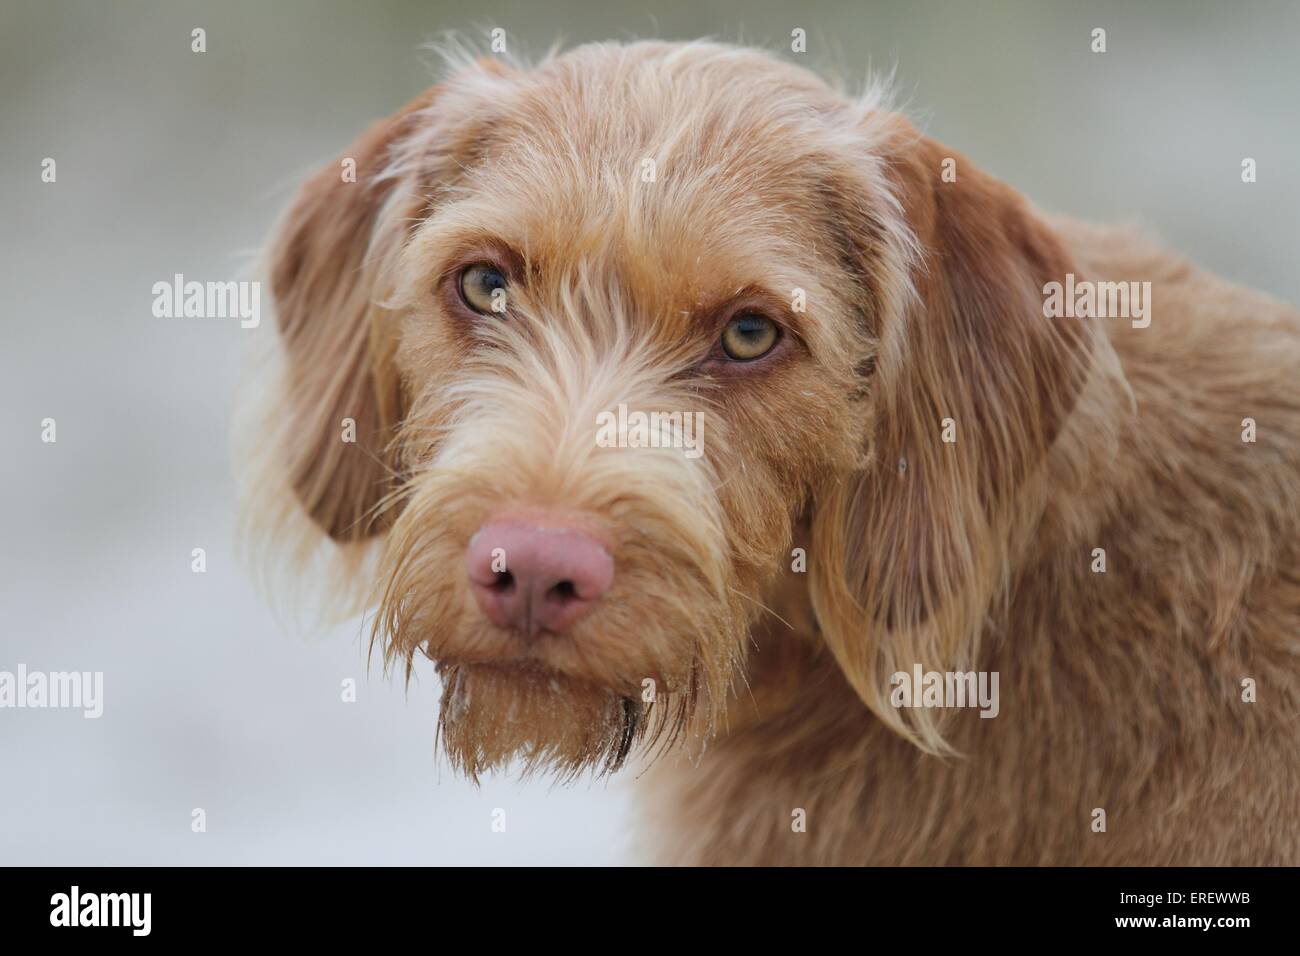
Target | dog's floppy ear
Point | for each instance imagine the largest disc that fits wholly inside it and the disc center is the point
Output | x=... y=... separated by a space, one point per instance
x=969 y=387
x=327 y=265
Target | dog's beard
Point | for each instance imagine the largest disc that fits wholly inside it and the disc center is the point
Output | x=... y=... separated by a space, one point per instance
x=493 y=715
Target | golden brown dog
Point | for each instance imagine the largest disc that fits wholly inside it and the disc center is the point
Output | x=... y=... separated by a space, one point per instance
x=890 y=436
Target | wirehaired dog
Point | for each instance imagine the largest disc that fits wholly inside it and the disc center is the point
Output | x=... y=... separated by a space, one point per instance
x=916 y=463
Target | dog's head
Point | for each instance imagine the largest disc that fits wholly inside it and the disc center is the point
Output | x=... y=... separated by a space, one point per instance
x=582 y=346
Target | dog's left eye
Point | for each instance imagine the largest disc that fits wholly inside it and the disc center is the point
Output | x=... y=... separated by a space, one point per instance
x=749 y=336
x=483 y=287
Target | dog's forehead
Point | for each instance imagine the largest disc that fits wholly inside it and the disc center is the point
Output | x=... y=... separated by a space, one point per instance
x=694 y=166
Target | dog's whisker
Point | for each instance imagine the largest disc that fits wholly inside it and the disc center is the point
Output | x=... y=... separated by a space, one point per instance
x=760 y=604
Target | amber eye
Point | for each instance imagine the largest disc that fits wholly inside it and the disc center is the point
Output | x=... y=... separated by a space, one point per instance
x=483 y=287
x=749 y=336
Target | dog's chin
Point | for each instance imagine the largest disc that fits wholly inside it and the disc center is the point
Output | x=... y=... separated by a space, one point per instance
x=498 y=715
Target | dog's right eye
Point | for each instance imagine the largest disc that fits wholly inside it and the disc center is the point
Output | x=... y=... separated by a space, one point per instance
x=483 y=289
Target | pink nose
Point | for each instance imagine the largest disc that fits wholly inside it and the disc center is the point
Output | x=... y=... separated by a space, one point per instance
x=534 y=576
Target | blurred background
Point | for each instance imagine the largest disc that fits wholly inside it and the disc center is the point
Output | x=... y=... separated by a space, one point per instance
x=172 y=161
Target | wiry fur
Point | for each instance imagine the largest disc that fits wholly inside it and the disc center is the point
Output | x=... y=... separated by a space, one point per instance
x=1119 y=691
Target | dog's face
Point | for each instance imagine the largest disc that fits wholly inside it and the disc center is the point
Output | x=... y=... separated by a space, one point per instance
x=693 y=231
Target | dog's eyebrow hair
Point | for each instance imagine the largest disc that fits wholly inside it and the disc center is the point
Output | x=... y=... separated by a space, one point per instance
x=752 y=295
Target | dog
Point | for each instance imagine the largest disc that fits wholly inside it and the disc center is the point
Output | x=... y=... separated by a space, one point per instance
x=945 y=441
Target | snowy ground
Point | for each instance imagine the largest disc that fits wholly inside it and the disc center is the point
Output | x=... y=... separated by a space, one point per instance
x=208 y=704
